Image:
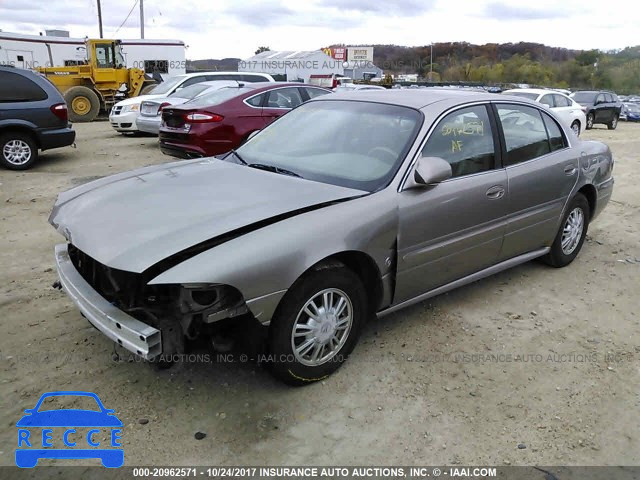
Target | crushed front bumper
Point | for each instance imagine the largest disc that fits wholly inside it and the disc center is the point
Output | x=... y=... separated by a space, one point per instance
x=134 y=335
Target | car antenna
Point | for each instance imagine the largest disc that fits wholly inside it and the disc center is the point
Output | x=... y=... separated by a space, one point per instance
x=240 y=85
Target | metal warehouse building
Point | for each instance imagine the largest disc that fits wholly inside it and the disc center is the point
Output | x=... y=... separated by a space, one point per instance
x=292 y=65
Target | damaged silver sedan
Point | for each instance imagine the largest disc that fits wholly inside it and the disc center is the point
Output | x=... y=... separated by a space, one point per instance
x=347 y=207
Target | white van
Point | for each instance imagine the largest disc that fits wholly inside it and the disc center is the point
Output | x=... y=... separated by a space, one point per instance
x=123 y=114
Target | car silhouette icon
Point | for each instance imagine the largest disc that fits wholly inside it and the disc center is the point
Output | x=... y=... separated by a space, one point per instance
x=69 y=419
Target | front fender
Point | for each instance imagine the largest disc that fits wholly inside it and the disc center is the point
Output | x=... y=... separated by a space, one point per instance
x=263 y=264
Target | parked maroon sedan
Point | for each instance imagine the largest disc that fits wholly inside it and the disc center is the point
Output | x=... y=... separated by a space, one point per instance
x=222 y=120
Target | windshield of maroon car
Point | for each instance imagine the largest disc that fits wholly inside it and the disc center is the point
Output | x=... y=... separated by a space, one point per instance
x=348 y=143
x=217 y=97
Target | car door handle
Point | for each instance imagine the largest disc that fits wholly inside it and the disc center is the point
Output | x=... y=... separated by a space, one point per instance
x=570 y=169
x=495 y=192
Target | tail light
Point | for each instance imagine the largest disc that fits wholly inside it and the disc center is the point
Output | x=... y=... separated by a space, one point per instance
x=60 y=111
x=162 y=105
x=203 y=117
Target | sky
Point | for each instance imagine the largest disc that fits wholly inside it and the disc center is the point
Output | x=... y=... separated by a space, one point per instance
x=236 y=28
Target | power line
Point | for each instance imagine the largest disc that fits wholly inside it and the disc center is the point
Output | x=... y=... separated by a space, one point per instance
x=128 y=15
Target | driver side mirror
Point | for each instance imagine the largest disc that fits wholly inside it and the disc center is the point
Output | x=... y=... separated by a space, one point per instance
x=429 y=171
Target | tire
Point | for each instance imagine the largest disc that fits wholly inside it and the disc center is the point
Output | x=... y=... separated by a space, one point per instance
x=559 y=256
x=83 y=104
x=590 y=119
x=331 y=284
x=147 y=88
x=575 y=126
x=613 y=123
x=18 y=150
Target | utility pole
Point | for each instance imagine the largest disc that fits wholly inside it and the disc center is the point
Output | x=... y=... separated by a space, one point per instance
x=100 y=18
x=141 y=19
x=431 y=70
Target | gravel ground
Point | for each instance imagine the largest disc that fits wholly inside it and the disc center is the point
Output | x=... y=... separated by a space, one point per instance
x=532 y=366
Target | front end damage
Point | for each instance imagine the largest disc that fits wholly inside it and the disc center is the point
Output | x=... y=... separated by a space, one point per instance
x=148 y=320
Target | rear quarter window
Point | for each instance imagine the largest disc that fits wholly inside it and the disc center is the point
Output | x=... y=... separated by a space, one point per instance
x=19 y=88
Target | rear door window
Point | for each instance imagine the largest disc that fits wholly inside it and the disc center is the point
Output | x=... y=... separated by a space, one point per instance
x=557 y=140
x=525 y=133
x=18 y=88
x=561 y=101
x=284 y=98
x=547 y=100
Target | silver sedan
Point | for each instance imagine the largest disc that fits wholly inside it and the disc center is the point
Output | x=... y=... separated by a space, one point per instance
x=150 y=116
x=347 y=207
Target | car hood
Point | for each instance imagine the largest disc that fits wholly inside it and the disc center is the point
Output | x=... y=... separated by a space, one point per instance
x=133 y=220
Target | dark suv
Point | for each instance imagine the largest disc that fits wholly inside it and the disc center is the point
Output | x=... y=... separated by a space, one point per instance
x=599 y=107
x=33 y=116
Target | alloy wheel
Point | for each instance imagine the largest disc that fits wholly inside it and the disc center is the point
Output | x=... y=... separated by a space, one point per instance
x=322 y=327
x=572 y=231
x=17 y=152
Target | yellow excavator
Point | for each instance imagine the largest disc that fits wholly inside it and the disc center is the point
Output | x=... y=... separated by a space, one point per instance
x=99 y=82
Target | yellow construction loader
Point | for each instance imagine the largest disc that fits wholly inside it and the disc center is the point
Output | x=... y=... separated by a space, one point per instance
x=99 y=82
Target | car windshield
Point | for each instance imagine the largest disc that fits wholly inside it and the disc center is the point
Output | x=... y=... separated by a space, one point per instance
x=191 y=91
x=584 y=97
x=65 y=402
x=348 y=143
x=217 y=96
x=167 y=85
x=530 y=96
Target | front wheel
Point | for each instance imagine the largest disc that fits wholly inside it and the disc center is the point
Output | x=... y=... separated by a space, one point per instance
x=317 y=325
x=590 y=119
x=570 y=237
x=613 y=123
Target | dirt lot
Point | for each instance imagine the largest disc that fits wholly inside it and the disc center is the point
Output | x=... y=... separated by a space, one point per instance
x=562 y=381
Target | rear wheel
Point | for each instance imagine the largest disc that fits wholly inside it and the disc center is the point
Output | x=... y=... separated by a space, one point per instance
x=317 y=325
x=83 y=104
x=613 y=123
x=590 y=119
x=570 y=237
x=575 y=126
x=18 y=150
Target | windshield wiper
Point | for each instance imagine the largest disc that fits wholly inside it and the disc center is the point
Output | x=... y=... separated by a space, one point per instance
x=237 y=155
x=273 y=168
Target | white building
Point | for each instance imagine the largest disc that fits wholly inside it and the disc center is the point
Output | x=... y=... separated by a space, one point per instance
x=32 y=51
x=293 y=66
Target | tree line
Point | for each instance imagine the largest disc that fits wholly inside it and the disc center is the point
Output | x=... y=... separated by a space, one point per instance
x=528 y=63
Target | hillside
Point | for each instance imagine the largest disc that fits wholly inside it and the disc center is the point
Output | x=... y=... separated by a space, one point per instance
x=492 y=63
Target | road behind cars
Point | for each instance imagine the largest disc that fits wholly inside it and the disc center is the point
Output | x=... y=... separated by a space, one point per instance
x=437 y=381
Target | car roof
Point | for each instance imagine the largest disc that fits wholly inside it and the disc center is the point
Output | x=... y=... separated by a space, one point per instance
x=272 y=85
x=414 y=98
x=538 y=91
